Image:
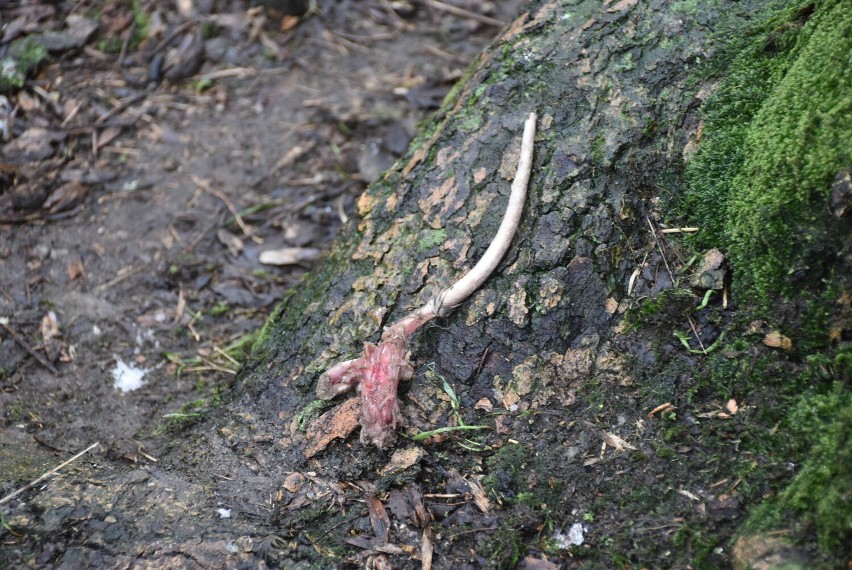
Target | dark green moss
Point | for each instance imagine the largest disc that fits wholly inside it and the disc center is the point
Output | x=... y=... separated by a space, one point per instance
x=506 y=470
x=819 y=425
x=23 y=57
x=669 y=306
x=777 y=131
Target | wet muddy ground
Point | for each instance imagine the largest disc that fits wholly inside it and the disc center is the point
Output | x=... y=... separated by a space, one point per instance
x=167 y=171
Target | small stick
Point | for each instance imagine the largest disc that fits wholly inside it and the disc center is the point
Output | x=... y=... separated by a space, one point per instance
x=695 y=332
x=230 y=205
x=679 y=230
x=660 y=247
x=21 y=341
x=456 y=11
x=32 y=484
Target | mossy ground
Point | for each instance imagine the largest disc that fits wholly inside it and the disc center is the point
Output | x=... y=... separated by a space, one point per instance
x=777 y=131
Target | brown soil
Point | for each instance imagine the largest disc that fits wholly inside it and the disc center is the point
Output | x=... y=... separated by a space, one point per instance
x=121 y=174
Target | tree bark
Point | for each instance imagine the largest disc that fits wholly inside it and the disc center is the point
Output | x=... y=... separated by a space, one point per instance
x=539 y=355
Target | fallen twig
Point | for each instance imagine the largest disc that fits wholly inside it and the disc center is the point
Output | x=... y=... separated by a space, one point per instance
x=660 y=247
x=456 y=11
x=23 y=343
x=32 y=484
x=230 y=205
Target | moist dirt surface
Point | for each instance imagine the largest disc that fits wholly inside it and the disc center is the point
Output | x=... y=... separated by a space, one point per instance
x=167 y=170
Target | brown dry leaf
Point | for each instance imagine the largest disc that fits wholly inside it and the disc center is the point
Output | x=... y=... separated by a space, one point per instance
x=478 y=493
x=532 y=563
x=775 y=339
x=378 y=562
x=614 y=441
x=32 y=145
x=232 y=242
x=501 y=423
x=76 y=269
x=27 y=102
x=106 y=136
x=294 y=482
x=336 y=423
x=66 y=197
x=379 y=519
x=289 y=255
x=402 y=459
x=611 y=306
x=289 y=22
x=510 y=398
x=50 y=336
x=484 y=404
x=732 y=406
x=181 y=306
x=610 y=439
x=426 y=549
x=49 y=326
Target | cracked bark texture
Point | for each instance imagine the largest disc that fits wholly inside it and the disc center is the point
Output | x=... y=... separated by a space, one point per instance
x=616 y=109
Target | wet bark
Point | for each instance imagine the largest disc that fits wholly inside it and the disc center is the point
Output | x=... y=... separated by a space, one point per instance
x=617 y=107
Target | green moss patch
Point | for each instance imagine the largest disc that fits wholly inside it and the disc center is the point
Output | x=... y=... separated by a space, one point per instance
x=777 y=131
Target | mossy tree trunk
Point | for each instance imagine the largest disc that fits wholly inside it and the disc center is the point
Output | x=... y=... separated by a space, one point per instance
x=540 y=355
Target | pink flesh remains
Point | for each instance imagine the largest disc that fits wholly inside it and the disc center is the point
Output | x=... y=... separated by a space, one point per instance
x=377 y=373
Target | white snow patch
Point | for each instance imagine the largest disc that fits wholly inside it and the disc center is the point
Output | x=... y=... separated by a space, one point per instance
x=127 y=377
x=573 y=538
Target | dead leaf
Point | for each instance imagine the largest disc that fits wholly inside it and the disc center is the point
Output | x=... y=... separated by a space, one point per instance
x=378 y=562
x=289 y=22
x=501 y=423
x=294 y=482
x=76 y=269
x=402 y=459
x=232 y=242
x=611 y=439
x=106 y=136
x=379 y=519
x=732 y=406
x=426 y=549
x=32 y=145
x=66 y=197
x=478 y=493
x=78 y=30
x=50 y=335
x=611 y=306
x=775 y=339
x=289 y=255
x=614 y=441
x=689 y=495
x=532 y=563
x=484 y=404
x=336 y=423
x=510 y=399
x=181 y=306
x=49 y=326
